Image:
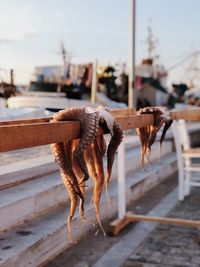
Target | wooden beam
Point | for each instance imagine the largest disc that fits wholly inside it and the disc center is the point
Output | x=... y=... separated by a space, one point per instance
x=25 y=121
x=131 y=217
x=135 y=121
x=123 y=112
x=114 y=112
x=30 y=135
x=117 y=225
x=187 y=114
x=36 y=134
x=192 y=114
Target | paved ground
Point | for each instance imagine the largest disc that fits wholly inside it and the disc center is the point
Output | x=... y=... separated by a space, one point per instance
x=166 y=246
x=169 y=246
x=91 y=248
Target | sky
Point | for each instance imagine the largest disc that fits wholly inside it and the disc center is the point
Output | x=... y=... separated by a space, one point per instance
x=31 y=32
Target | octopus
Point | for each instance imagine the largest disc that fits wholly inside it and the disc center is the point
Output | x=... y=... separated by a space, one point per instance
x=148 y=134
x=80 y=159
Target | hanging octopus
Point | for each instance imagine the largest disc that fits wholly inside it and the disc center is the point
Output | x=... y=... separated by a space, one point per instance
x=79 y=159
x=148 y=134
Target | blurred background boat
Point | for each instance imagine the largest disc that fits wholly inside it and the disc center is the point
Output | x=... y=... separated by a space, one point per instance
x=57 y=87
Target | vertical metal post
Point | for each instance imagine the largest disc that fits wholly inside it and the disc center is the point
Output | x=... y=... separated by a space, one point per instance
x=121 y=181
x=132 y=53
x=94 y=82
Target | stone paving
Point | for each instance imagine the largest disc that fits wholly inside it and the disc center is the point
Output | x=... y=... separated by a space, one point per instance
x=91 y=248
x=166 y=246
x=169 y=246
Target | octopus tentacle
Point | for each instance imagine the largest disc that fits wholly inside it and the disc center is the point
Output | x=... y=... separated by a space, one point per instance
x=73 y=202
x=64 y=165
x=79 y=174
x=75 y=157
x=168 y=123
x=89 y=127
x=148 y=134
x=115 y=141
x=98 y=186
x=69 y=149
x=65 y=159
x=102 y=144
x=69 y=180
x=143 y=134
x=70 y=152
x=89 y=132
x=95 y=164
x=158 y=122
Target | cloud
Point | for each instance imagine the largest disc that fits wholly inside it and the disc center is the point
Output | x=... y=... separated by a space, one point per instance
x=18 y=24
x=16 y=37
x=59 y=15
x=29 y=34
x=25 y=22
x=7 y=41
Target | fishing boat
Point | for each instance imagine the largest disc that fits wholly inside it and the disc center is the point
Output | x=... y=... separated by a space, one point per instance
x=151 y=78
x=69 y=84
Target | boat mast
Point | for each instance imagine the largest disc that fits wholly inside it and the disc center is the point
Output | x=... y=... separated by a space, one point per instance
x=66 y=55
x=150 y=43
x=66 y=58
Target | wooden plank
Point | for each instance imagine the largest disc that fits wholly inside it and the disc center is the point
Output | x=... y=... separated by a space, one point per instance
x=123 y=112
x=135 y=121
x=192 y=114
x=117 y=225
x=131 y=217
x=187 y=114
x=27 y=133
x=35 y=134
x=114 y=112
x=30 y=135
x=25 y=121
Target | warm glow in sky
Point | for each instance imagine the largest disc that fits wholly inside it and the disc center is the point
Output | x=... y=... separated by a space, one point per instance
x=31 y=31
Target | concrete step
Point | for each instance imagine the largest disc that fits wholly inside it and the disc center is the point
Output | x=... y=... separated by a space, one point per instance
x=40 y=240
x=19 y=172
x=31 y=199
x=22 y=171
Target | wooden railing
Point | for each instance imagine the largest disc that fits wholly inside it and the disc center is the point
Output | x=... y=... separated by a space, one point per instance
x=36 y=132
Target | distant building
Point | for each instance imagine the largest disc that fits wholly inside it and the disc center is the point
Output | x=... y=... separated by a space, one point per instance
x=51 y=74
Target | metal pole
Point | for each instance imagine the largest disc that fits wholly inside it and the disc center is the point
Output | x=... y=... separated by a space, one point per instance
x=132 y=54
x=94 y=82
